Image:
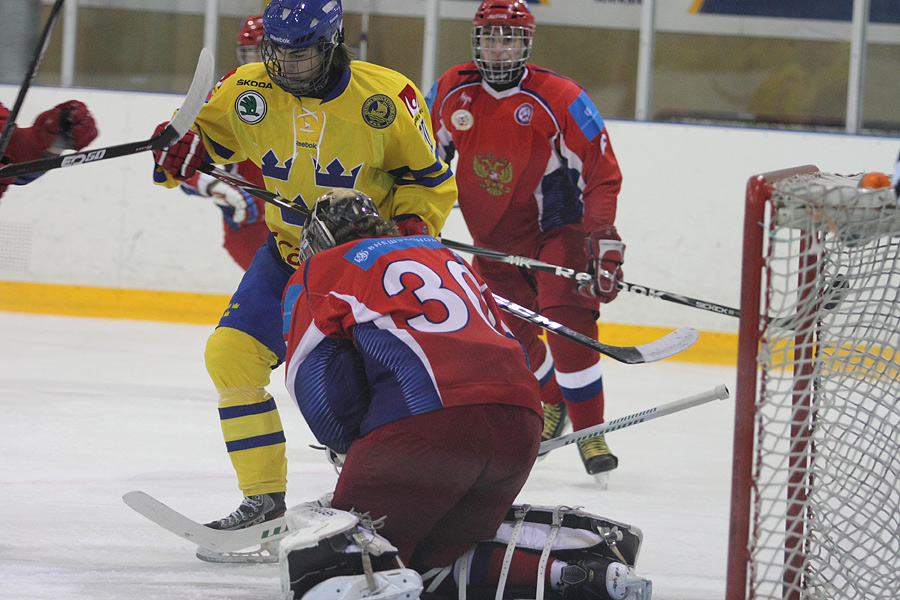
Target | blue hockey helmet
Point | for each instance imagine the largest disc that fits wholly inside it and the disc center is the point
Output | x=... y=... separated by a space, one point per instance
x=300 y=39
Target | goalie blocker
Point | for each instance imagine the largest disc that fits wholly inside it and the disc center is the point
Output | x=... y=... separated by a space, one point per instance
x=337 y=555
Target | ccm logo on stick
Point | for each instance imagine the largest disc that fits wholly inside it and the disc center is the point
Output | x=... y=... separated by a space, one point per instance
x=77 y=159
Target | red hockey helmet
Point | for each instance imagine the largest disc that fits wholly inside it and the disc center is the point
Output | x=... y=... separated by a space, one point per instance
x=249 y=37
x=502 y=33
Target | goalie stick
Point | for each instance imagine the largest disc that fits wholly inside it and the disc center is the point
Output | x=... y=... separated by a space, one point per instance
x=6 y=134
x=720 y=392
x=205 y=537
x=174 y=131
x=537 y=265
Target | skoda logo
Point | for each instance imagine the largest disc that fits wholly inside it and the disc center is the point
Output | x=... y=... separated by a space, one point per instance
x=250 y=107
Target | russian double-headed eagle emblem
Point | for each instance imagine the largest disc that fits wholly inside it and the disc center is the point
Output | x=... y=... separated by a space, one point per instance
x=494 y=173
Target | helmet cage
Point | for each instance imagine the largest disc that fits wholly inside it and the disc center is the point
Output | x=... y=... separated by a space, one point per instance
x=248 y=54
x=297 y=71
x=333 y=212
x=500 y=52
x=300 y=39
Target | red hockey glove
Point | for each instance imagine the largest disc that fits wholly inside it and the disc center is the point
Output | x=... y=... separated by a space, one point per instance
x=411 y=225
x=606 y=253
x=66 y=126
x=181 y=159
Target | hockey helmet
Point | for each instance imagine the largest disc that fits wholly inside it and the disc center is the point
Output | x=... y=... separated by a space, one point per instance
x=300 y=39
x=502 y=33
x=333 y=212
x=249 y=37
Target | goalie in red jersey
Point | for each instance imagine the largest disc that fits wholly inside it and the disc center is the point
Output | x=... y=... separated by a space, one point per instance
x=537 y=177
x=388 y=344
x=66 y=126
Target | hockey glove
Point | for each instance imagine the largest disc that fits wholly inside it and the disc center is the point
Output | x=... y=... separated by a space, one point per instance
x=67 y=126
x=411 y=225
x=237 y=205
x=181 y=159
x=606 y=253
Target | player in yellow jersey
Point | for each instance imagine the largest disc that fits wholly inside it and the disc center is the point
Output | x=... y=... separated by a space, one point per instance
x=312 y=120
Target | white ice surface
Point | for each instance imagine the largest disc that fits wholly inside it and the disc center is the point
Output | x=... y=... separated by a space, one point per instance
x=94 y=408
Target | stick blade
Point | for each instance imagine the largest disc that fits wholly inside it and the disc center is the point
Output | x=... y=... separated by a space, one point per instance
x=669 y=345
x=196 y=95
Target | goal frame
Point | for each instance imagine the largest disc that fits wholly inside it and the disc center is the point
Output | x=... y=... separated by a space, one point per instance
x=758 y=193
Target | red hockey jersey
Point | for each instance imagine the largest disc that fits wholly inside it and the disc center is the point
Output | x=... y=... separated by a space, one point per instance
x=531 y=158
x=383 y=328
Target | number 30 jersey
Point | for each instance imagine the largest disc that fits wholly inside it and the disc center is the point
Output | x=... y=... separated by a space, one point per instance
x=380 y=329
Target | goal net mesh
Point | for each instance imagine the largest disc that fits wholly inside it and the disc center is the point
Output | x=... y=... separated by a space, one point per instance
x=825 y=482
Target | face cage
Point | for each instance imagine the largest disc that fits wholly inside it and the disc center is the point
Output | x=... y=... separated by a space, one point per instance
x=299 y=83
x=502 y=39
x=314 y=238
x=249 y=54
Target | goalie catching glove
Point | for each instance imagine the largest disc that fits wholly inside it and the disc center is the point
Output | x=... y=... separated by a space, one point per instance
x=181 y=159
x=606 y=253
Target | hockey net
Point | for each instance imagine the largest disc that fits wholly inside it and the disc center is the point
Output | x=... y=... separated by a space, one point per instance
x=816 y=476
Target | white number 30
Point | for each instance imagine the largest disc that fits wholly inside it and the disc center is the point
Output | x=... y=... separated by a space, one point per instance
x=432 y=289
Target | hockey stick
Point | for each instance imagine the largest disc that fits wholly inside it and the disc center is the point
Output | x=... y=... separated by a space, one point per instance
x=537 y=265
x=174 y=131
x=29 y=75
x=668 y=345
x=720 y=392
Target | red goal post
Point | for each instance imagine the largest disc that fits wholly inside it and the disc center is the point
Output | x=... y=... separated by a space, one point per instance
x=815 y=506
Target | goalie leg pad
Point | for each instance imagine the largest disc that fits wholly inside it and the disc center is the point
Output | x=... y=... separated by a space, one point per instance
x=396 y=584
x=570 y=531
x=327 y=543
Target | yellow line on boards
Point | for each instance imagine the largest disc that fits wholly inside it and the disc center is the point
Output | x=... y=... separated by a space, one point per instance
x=112 y=303
x=715 y=348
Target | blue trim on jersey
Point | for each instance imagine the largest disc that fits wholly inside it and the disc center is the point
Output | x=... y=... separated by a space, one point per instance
x=582 y=394
x=255 y=307
x=340 y=87
x=562 y=203
x=428 y=182
x=333 y=393
x=258 y=441
x=291 y=294
x=220 y=149
x=586 y=116
x=364 y=253
x=244 y=410
x=400 y=383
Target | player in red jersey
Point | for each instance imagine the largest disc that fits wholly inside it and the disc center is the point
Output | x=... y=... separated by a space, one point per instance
x=388 y=341
x=243 y=216
x=537 y=177
x=67 y=126
x=388 y=338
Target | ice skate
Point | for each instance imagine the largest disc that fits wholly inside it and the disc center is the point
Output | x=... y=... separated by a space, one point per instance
x=555 y=420
x=252 y=511
x=597 y=459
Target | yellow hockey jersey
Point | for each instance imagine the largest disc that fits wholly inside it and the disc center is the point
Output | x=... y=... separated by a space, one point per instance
x=372 y=133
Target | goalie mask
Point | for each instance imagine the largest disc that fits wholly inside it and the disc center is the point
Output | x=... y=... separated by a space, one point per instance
x=334 y=213
x=249 y=37
x=502 y=33
x=301 y=37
